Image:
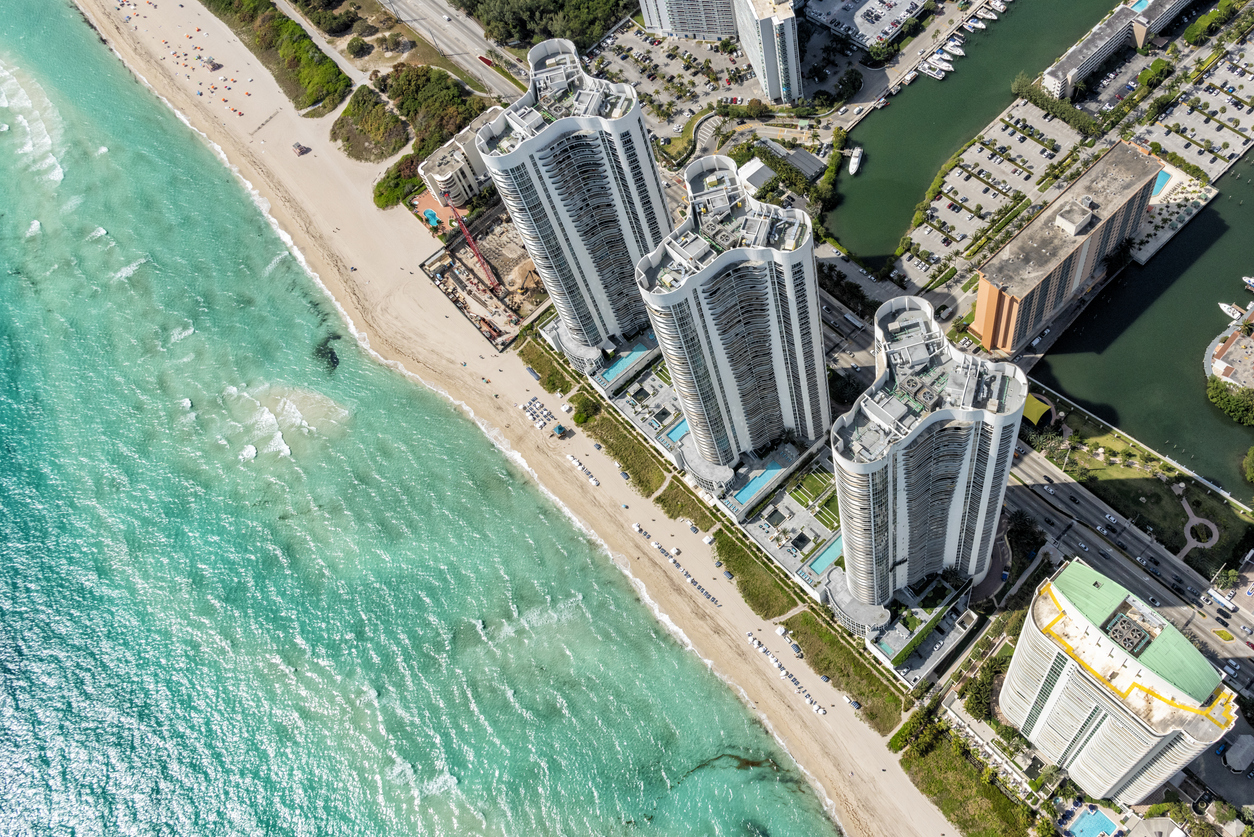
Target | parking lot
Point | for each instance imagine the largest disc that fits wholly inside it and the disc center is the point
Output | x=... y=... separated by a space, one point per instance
x=1210 y=125
x=1109 y=84
x=1006 y=164
x=864 y=22
x=671 y=76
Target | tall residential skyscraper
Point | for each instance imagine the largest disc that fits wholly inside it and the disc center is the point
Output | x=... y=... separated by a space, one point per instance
x=700 y=19
x=921 y=463
x=767 y=31
x=572 y=162
x=733 y=297
x=768 y=34
x=1109 y=690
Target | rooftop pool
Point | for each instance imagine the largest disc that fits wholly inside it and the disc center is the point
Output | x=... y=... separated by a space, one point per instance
x=828 y=556
x=744 y=495
x=678 y=432
x=624 y=361
x=1164 y=175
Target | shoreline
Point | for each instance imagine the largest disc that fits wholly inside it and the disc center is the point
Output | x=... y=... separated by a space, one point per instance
x=395 y=315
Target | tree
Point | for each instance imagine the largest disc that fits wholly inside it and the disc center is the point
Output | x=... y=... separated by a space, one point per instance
x=757 y=109
x=1021 y=519
x=358 y=48
x=1247 y=465
x=881 y=52
x=911 y=27
x=1119 y=256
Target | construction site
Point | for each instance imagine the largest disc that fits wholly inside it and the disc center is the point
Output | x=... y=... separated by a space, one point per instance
x=485 y=271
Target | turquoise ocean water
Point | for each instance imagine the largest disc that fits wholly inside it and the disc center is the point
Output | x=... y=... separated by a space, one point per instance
x=252 y=582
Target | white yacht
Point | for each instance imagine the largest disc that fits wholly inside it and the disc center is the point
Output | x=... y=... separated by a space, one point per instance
x=856 y=160
x=986 y=14
x=1232 y=311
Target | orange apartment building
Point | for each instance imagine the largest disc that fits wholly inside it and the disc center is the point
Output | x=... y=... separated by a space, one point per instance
x=1058 y=255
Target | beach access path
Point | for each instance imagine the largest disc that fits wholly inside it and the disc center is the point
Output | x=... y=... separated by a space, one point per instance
x=323 y=201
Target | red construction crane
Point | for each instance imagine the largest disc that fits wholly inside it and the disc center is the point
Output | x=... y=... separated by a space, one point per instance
x=483 y=263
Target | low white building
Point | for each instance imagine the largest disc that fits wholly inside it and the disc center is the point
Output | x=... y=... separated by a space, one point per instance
x=455 y=173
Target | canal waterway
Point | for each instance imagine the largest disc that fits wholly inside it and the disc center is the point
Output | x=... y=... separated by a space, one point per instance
x=1134 y=358
x=908 y=141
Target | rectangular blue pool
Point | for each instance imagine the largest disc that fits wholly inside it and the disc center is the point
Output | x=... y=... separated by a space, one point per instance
x=1092 y=824
x=625 y=360
x=1164 y=175
x=744 y=495
x=828 y=556
x=678 y=432
x=1139 y=5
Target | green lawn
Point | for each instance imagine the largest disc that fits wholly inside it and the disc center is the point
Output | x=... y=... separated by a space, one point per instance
x=850 y=670
x=663 y=373
x=1146 y=499
x=828 y=514
x=934 y=597
x=761 y=589
x=678 y=501
x=954 y=785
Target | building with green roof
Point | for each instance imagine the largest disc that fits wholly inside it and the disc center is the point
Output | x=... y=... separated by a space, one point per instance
x=1107 y=689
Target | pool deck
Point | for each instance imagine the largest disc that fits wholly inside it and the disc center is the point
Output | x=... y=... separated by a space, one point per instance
x=1173 y=204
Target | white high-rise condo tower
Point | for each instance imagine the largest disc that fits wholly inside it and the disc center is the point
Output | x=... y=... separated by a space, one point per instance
x=768 y=33
x=701 y=19
x=921 y=463
x=733 y=297
x=1109 y=690
x=572 y=162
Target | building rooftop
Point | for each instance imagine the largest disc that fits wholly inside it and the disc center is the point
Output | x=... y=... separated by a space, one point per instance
x=1136 y=653
x=559 y=89
x=449 y=157
x=1114 y=26
x=920 y=373
x=724 y=217
x=1040 y=246
x=1233 y=359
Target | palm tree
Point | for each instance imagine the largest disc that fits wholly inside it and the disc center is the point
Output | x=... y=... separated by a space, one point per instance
x=1247 y=329
x=1020 y=519
x=1119 y=256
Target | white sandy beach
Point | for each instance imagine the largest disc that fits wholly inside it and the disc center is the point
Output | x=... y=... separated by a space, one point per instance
x=323 y=201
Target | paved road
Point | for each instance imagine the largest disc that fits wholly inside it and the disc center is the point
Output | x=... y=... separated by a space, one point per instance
x=460 y=38
x=316 y=35
x=1071 y=523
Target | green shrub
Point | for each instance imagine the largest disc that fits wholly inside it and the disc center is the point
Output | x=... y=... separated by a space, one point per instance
x=434 y=103
x=1237 y=402
x=583 y=21
x=368 y=116
x=306 y=74
x=679 y=502
x=399 y=182
x=850 y=670
x=644 y=473
x=758 y=585
x=357 y=47
x=552 y=376
x=918 y=719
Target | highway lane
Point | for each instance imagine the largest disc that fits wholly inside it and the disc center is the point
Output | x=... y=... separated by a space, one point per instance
x=459 y=38
x=1071 y=524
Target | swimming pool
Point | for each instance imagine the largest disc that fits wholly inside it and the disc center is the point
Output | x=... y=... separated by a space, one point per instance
x=1164 y=175
x=1091 y=824
x=431 y=217
x=678 y=432
x=828 y=556
x=624 y=360
x=1139 y=5
x=744 y=495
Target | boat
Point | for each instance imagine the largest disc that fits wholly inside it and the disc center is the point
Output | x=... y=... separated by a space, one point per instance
x=998 y=5
x=954 y=50
x=882 y=103
x=955 y=38
x=1232 y=311
x=928 y=70
x=855 y=161
x=940 y=63
x=977 y=23
x=910 y=76
x=1249 y=282
x=986 y=14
